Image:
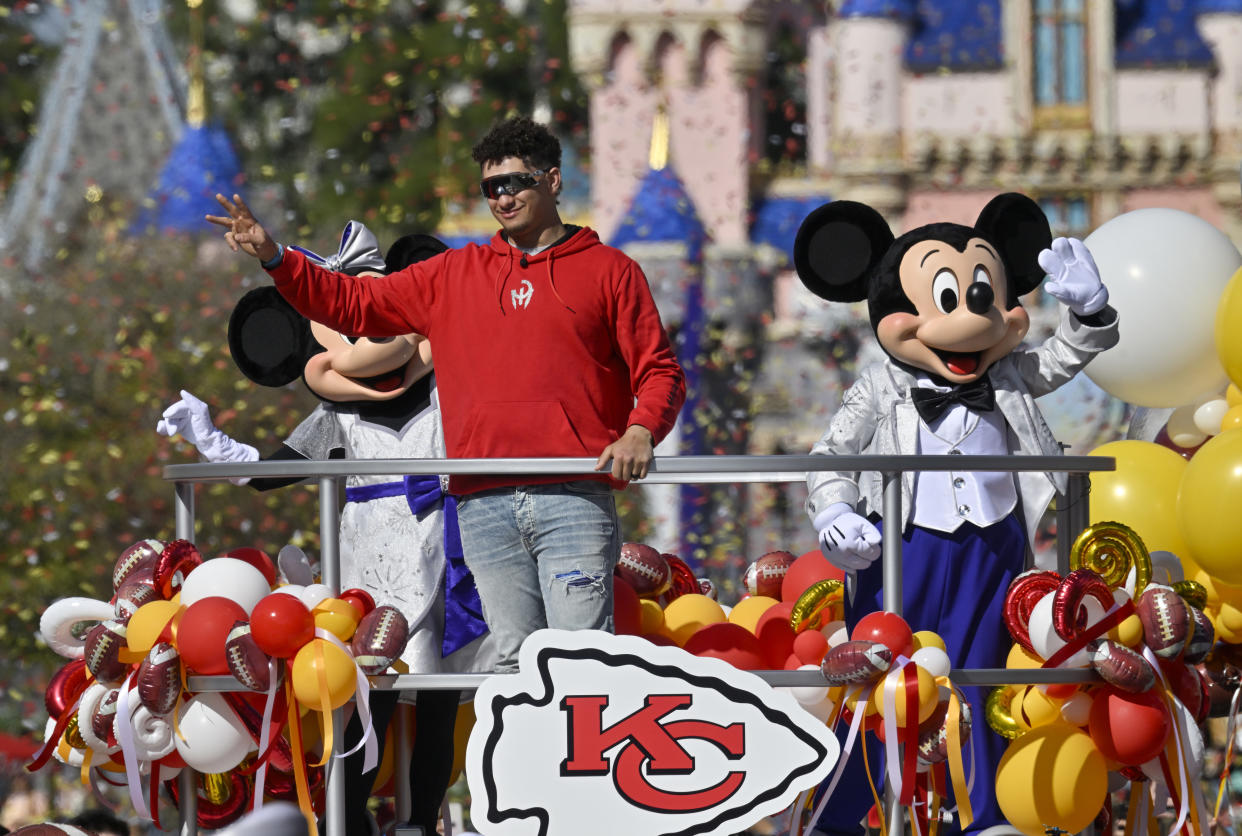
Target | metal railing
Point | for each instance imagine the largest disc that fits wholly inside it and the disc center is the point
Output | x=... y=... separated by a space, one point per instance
x=1072 y=510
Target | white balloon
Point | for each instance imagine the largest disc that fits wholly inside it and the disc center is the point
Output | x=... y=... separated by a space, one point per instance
x=225 y=577
x=1166 y=568
x=809 y=695
x=315 y=593
x=933 y=660
x=56 y=623
x=1182 y=430
x=1044 y=636
x=836 y=632
x=1165 y=271
x=294 y=589
x=1077 y=709
x=1208 y=415
x=212 y=737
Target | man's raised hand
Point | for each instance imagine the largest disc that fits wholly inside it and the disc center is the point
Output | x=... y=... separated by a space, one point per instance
x=243 y=232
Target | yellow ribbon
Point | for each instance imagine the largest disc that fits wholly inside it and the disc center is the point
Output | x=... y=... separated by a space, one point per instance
x=299 y=759
x=957 y=771
x=325 y=702
x=875 y=793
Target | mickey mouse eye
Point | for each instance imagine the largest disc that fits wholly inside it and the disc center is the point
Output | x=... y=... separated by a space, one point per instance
x=982 y=275
x=944 y=291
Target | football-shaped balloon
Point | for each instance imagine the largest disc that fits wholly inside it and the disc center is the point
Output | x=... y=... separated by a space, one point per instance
x=158 y=680
x=852 y=662
x=102 y=651
x=765 y=576
x=50 y=829
x=934 y=731
x=645 y=569
x=103 y=718
x=1166 y=621
x=379 y=639
x=246 y=661
x=706 y=587
x=1121 y=667
x=140 y=554
x=1202 y=637
x=137 y=589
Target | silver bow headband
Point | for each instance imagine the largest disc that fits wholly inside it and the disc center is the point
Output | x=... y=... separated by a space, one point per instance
x=359 y=251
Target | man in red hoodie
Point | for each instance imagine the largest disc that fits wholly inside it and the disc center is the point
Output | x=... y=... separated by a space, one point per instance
x=546 y=343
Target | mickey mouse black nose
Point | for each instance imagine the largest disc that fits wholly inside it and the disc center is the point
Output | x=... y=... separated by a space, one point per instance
x=979 y=297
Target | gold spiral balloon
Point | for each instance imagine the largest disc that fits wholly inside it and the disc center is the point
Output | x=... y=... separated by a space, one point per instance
x=217 y=787
x=72 y=736
x=810 y=606
x=1192 y=593
x=1111 y=549
x=998 y=711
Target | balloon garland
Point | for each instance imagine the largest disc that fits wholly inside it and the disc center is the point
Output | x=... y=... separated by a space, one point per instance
x=1143 y=639
x=121 y=703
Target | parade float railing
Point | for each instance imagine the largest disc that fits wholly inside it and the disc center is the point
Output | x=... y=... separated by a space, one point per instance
x=1072 y=516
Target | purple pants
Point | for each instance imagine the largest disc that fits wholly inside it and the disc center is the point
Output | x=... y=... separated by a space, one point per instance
x=953 y=584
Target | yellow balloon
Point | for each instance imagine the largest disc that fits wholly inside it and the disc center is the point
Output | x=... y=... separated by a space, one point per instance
x=1129 y=632
x=1052 y=776
x=686 y=614
x=1228 y=334
x=929 y=695
x=926 y=638
x=339 y=669
x=1232 y=418
x=748 y=610
x=337 y=617
x=1141 y=493
x=650 y=616
x=147 y=622
x=1233 y=395
x=1022 y=659
x=1208 y=503
x=1040 y=709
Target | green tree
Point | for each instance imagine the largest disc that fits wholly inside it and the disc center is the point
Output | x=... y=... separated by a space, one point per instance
x=24 y=60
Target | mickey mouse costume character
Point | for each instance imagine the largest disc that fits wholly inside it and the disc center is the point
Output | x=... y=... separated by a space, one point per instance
x=943 y=301
x=398 y=539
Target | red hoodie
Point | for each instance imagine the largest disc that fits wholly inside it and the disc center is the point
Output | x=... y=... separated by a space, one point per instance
x=535 y=355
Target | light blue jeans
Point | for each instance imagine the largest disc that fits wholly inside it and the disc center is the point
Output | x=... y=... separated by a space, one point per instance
x=541 y=556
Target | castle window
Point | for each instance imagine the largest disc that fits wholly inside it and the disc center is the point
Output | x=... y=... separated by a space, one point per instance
x=1060 y=43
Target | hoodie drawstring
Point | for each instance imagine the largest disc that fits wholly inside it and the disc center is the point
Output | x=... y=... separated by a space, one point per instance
x=502 y=279
x=552 y=281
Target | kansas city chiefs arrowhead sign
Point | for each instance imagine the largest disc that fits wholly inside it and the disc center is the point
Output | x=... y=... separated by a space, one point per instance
x=612 y=735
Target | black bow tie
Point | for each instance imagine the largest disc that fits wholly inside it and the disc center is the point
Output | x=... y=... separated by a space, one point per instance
x=931 y=404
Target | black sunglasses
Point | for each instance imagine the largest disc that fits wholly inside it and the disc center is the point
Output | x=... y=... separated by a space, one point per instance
x=510 y=184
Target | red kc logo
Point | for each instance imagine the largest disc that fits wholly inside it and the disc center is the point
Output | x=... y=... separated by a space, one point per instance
x=645 y=737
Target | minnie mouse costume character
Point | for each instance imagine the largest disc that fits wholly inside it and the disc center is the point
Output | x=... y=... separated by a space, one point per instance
x=943 y=301
x=398 y=539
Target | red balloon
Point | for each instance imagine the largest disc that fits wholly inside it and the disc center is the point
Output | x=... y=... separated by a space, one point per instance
x=281 y=624
x=1130 y=729
x=359 y=599
x=731 y=642
x=658 y=638
x=258 y=559
x=810 y=646
x=776 y=639
x=67 y=685
x=809 y=569
x=780 y=611
x=888 y=629
x=1023 y=594
x=1162 y=438
x=1188 y=685
x=626 y=609
x=203 y=630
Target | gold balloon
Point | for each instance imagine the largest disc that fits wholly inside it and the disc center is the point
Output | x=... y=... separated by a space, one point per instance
x=1111 y=550
x=1141 y=493
x=1207 y=506
x=1192 y=593
x=810 y=610
x=998 y=711
x=1052 y=776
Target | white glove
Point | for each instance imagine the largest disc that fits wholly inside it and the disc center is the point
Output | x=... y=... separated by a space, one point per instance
x=190 y=418
x=1075 y=280
x=850 y=542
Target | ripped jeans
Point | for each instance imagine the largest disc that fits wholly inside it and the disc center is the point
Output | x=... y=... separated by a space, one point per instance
x=542 y=556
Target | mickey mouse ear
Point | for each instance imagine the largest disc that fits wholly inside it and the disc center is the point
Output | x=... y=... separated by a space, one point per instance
x=1018 y=226
x=410 y=249
x=837 y=247
x=268 y=339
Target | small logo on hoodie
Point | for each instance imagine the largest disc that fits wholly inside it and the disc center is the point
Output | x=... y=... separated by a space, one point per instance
x=521 y=298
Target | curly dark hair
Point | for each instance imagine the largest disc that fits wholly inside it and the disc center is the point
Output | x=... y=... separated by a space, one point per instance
x=521 y=137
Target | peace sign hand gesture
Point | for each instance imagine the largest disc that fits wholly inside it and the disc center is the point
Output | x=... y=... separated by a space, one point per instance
x=244 y=233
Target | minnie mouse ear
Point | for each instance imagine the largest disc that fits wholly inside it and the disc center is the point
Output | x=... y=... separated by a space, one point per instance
x=410 y=249
x=837 y=247
x=269 y=340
